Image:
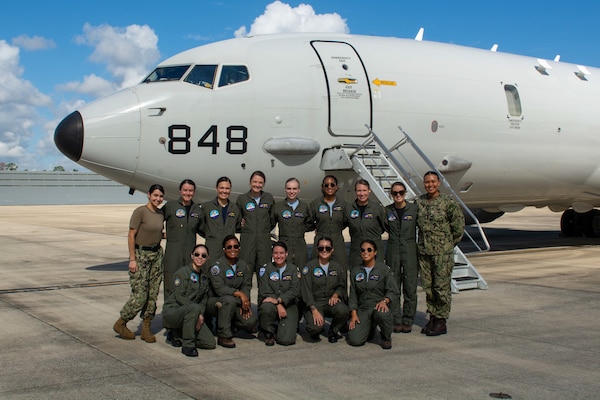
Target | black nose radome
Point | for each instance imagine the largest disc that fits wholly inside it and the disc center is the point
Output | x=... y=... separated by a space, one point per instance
x=68 y=136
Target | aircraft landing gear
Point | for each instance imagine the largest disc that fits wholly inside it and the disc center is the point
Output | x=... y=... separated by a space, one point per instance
x=576 y=224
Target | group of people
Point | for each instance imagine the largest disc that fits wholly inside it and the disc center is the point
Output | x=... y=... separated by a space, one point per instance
x=212 y=281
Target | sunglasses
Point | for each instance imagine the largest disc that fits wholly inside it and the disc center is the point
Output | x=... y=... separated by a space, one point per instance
x=232 y=246
x=203 y=255
x=325 y=248
x=369 y=249
x=329 y=185
x=399 y=193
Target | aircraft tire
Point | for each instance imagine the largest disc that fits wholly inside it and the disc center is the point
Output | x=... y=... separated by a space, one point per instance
x=591 y=223
x=571 y=223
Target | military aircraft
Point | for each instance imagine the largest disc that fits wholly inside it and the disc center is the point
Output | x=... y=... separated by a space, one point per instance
x=507 y=131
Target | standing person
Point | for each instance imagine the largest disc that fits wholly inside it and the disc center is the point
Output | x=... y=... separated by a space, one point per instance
x=186 y=304
x=401 y=256
x=323 y=288
x=255 y=238
x=145 y=265
x=183 y=220
x=229 y=301
x=278 y=292
x=441 y=227
x=365 y=219
x=328 y=216
x=221 y=218
x=293 y=219
x=372 y=289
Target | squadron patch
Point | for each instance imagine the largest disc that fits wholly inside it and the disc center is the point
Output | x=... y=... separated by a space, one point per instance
x=250 y=206
x=305 y=270
x=354 y=214
x=194 y=277
x=215 y=270
x=318 y=272
x=180 y=213
x=177 y=282
x=274 y=276
x=323 y=209
x=261 y=271
x=391 y=217
x=229 y=273
x=286 y=214
x=214 y=214
x=359 y=277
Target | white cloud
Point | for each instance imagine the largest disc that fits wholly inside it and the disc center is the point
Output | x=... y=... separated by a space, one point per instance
x=129 y=53
x=19 y=103
x=33 y=43
x=92 y=85
x=281 y=17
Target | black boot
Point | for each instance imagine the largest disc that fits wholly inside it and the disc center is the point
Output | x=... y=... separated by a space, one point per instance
x=429 y=324
x=439 y=328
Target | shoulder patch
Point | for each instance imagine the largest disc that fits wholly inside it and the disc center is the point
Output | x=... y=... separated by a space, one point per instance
x=215 y=270
x=177 y=282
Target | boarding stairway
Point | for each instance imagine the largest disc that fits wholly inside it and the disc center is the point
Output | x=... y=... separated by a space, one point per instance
x=381 y=167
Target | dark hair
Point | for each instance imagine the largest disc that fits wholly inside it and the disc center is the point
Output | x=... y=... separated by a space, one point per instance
x=223 y=179
x=432 y=173
x=258 y=173
x=372 y=243
x=280 y=244
x=396 y=184
x=326 y=238
x=188 y=181
x=155 y=187
x=228 y=238
x=362 y=182
x=292 y=179
x=201 y=245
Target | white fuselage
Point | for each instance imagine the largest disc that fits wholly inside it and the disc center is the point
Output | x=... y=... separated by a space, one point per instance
x=322 y=89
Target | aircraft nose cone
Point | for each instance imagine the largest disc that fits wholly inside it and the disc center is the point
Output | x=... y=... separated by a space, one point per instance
x=68 y=136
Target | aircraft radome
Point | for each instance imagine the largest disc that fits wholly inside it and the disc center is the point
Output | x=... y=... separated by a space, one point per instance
x=507 y=131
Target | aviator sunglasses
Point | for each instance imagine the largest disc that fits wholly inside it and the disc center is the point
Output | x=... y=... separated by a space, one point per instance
x=203 y=255
x=369 y=249
x=325 y=248
x=399 y=193
x=232 y=246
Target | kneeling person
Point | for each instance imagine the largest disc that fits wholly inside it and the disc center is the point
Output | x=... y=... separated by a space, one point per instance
x=230 y=282
x=323 y=288
x=278 y=292
x=185 y=306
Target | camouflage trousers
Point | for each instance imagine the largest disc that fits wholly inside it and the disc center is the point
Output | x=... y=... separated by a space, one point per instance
x=145 y=285
x=436 y=280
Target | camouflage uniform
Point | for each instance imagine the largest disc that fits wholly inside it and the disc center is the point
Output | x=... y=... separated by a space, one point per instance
x=224 y=282
x=292 y=226
x=366 y=290
x=285 y=286
x=184 y=306
x=145 y=284
x=182 y=224
x=255 y=238
x=364 y=223
x=441 y=227
x=401 y=256
x=317 y=287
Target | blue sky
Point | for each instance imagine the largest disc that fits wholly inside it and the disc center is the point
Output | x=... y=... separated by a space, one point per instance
x=57 y=55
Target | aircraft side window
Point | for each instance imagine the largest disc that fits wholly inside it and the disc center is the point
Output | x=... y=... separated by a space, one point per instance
x=167 y=74
x=231 y=74
x=513 y=99
x=202 y=75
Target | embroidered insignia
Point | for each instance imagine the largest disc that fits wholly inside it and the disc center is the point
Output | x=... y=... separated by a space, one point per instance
x=368 y=216
x=305 y=270
x=250 y=206
x=359 y=277
x=229 y=274
x=180 y=213
x=354 y=214
x=286 y=214
x=177 y=282
x=322 y=209
x=261 y=271
x=407 y=218
x=299 y=214
x=286 y=278
x=274 y=276
x=318 y=272
x=333 y=273
x=214 y=214
x=391 y=217
x=374 y=277
x=215 y=270
x=194 y=277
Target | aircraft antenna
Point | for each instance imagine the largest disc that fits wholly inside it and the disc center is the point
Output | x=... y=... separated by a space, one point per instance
x=419 y=36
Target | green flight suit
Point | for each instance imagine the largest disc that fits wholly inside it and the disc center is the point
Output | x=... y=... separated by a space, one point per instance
x=401 y=257
x=293 y=224
x=317 y=286
x=255 y=238
x=330 y=222
x=218 y=223
x=224 y=282
x=182 y=223
x=366 y=290
x=185 y=304
x=286 y=286
x=366 y=222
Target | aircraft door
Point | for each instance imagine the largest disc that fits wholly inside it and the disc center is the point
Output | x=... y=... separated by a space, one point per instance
x=348 y=90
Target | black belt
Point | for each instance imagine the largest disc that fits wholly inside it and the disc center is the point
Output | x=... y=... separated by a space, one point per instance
x=148 y=248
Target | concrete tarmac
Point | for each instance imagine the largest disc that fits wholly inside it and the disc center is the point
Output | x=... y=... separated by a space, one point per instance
x=534 y=334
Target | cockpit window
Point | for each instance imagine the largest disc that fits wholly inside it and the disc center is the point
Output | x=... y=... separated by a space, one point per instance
x=202 y=75
x=231 y=74
x=166 y=74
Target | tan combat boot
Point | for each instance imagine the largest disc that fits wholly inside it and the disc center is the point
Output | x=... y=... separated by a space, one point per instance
x=121 y=328
x=147 y=334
